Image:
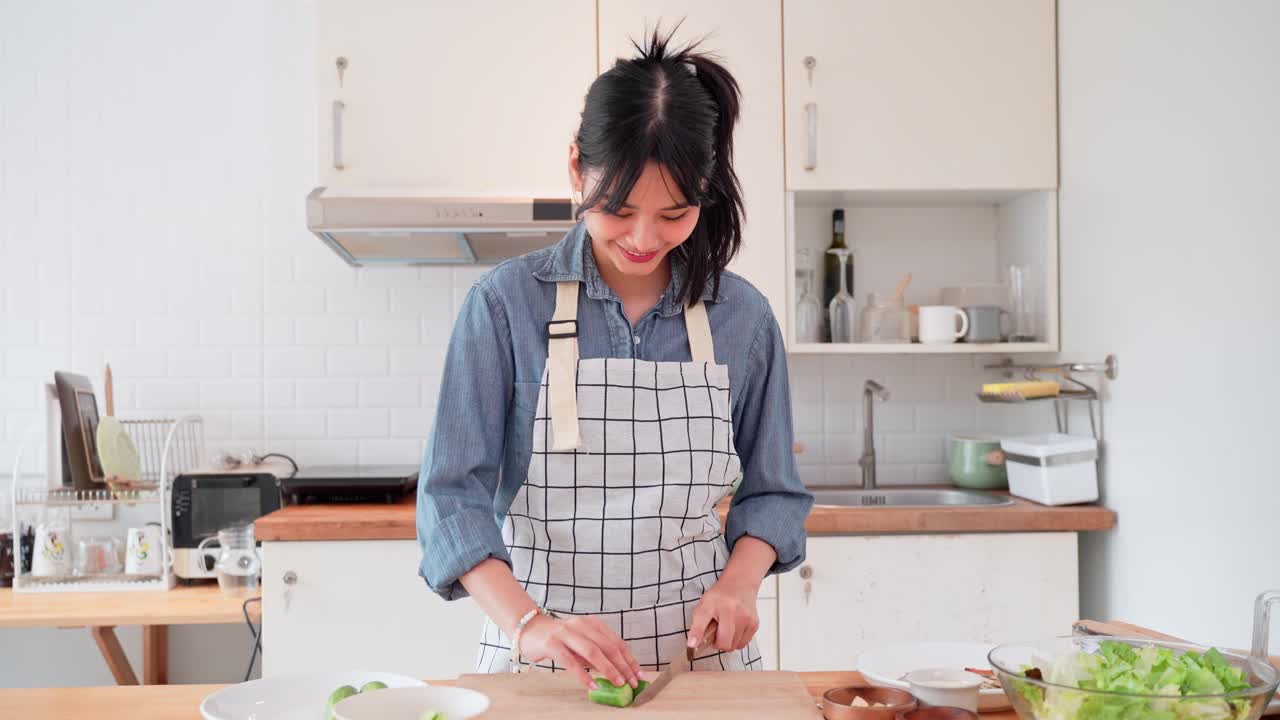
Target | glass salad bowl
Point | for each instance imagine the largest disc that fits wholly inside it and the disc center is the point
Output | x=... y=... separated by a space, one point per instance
x=1113 y=678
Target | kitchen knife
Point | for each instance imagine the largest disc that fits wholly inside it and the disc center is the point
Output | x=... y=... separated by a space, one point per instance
x=677 y=664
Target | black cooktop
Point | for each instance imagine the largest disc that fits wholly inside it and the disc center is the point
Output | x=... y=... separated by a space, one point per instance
x=350 y=484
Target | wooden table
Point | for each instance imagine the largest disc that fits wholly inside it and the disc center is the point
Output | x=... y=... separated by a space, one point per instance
x=101 y=612
x=183 y=701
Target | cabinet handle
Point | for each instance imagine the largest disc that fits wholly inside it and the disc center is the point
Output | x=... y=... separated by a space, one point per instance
x=811 y=131
x=338 y=107
x=290 y=578
x=806 y=572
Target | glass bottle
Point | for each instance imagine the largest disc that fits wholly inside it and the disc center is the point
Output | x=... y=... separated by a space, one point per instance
x=1022 y=304
x=809 y=315
x=831 y=276
x=842 y=310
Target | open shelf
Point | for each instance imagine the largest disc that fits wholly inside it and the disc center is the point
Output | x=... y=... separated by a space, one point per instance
x=918 y=349
x=944 y=239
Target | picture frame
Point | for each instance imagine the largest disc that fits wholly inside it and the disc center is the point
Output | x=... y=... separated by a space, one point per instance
x=79 y=406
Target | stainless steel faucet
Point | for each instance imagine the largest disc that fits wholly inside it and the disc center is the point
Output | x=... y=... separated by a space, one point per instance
x=868 y=460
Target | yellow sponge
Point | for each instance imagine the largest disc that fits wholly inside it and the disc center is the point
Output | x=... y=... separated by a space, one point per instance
x=1027 y=389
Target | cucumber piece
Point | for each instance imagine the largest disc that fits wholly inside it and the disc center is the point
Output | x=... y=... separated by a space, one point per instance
x=610 y=694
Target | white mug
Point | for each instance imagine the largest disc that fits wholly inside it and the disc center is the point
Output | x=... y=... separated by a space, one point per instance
x=143 y=551
x=938 y=324
x=52 y=554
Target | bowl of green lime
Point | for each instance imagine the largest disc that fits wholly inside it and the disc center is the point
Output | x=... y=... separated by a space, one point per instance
x=299 y=696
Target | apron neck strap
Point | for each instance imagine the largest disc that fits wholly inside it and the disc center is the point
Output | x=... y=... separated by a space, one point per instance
x=698 y=329
x=562 y=368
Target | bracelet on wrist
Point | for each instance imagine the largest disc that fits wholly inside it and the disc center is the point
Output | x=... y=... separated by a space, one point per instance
x=519 y=633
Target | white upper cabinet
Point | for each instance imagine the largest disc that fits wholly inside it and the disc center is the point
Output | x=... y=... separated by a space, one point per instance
x=456 y=98
x=920 y=94
x=747 y=36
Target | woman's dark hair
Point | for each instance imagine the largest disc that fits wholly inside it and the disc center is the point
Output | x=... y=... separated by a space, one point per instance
x=678 y=108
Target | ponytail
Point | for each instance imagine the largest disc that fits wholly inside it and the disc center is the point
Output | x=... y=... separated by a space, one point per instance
x=723 y=213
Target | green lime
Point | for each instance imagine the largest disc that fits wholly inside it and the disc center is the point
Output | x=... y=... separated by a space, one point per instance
x=336 y=697
x=373 y=685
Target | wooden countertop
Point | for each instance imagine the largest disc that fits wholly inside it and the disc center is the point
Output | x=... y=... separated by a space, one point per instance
x=396 y=522
x=170 y=702
x=183 y=605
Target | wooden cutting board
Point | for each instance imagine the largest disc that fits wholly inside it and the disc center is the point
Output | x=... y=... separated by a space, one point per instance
x=704 y=695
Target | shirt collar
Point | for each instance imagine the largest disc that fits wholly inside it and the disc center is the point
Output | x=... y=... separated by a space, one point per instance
x=572 y=259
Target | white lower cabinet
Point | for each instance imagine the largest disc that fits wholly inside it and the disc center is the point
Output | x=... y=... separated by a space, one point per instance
x=767 y=635
x=360 y=605
x=858 y=592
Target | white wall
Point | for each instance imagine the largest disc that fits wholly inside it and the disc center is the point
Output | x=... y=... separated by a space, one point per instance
x=154 y=159
x=1170 y=227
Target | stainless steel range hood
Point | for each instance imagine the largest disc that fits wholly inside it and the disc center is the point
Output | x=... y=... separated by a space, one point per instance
x=370 y=226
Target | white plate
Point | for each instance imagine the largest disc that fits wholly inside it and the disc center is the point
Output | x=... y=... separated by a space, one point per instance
x=885 y=666
x=290 y=697
x=411 y=703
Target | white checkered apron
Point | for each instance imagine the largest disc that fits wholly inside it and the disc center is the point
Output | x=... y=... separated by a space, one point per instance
x=616 y=518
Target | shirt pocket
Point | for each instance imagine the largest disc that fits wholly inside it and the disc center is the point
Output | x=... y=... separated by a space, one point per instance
x=525 y=397
x=519 y=441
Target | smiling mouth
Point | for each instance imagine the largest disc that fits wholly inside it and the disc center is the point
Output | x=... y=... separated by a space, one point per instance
x=637 y=257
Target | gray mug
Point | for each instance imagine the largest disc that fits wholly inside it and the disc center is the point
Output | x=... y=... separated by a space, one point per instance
x=985 y=323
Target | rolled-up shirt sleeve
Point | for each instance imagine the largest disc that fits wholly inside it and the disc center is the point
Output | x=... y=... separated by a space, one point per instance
x=771 y=502
x=456 y=522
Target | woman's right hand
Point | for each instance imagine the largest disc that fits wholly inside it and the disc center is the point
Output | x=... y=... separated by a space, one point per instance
x=577 y=643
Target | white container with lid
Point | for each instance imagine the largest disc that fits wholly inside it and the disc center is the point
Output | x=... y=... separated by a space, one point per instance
x=1052 y=469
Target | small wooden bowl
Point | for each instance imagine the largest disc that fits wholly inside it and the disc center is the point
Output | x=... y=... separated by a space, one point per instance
x=937 y=713
x=837 y=703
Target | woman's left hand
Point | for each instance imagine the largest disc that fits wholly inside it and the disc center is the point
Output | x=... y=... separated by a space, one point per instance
x=732 y=604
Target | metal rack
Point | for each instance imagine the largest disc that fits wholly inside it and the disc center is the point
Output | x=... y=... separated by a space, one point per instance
x=1073 y=388
x=166 y=447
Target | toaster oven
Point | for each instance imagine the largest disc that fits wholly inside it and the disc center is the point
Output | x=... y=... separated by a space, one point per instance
x=203 y=504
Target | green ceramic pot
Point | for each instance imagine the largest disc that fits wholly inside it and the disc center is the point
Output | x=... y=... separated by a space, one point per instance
x=977 y=463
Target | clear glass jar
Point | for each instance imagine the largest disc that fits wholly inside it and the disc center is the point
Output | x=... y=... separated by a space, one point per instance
x=884 y=320
x=237 y=563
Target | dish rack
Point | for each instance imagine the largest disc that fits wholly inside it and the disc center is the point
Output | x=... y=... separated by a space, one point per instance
x=1073 y=388
x=166 y=448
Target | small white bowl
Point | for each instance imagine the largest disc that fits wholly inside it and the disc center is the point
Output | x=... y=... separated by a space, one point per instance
x=411 y=702
x=945 y=687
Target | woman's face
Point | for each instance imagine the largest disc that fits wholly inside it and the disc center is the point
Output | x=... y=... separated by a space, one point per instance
x=655 y=219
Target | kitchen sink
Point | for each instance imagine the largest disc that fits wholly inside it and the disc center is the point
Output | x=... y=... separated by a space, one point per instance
x=908 y=497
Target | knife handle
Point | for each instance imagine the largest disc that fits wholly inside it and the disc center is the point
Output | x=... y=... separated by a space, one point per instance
x=708 y=639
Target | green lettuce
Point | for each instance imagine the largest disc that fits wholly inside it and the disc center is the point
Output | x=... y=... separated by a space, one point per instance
x=1162 y=679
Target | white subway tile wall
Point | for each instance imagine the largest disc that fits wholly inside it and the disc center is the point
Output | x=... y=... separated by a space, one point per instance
x=930 y=399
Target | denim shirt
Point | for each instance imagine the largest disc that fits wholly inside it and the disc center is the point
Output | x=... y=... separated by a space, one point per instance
x=478 y=455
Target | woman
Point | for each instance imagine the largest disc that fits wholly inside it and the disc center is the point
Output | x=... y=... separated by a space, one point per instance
x=601 y=396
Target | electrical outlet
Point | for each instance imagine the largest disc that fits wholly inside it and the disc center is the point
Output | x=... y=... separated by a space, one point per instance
x=93 y=511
